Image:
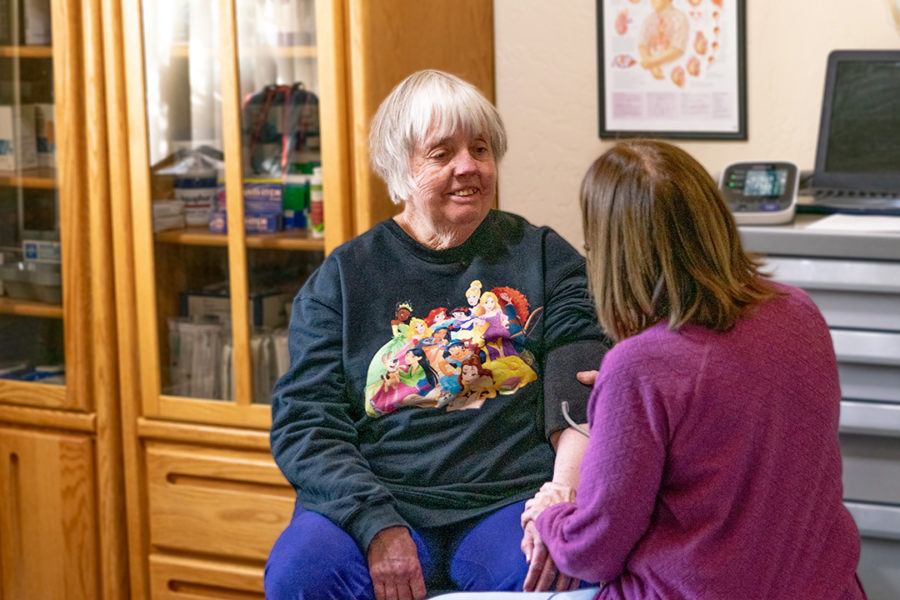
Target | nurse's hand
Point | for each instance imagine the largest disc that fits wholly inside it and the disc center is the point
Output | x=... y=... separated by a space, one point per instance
x=394 y=566
x=550 y=493
x=586 y=377
x=542 y=571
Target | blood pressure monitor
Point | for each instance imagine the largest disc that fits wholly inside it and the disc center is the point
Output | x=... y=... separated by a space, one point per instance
x=761 y=193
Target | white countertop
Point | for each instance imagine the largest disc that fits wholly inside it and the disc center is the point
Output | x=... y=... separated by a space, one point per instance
x=821 y=235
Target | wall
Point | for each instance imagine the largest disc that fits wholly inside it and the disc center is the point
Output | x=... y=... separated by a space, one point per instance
x=546 y=70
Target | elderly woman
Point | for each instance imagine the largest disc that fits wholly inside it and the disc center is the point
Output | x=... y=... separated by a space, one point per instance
x=405 y=480
x=713 y=468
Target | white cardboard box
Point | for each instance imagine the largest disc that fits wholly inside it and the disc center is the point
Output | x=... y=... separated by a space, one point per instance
x=266 y=309
x=37 y=22
x=18 y=148
x=44 y=251
x=45 y=134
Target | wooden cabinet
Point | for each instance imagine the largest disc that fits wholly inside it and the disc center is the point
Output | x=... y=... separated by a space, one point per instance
x=217 y=502
x=48 y=520
x=185 y=578
x=187 y=80
x=62 y=513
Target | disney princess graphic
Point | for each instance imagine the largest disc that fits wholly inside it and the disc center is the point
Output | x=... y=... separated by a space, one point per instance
x=476 y=383
x=454 y=359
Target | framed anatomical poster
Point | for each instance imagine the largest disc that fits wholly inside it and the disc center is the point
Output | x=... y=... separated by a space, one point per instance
x=672 y=69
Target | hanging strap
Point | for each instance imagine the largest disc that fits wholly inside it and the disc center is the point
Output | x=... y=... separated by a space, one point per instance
x=256 y=132
x=288 y=124
x=287 y=131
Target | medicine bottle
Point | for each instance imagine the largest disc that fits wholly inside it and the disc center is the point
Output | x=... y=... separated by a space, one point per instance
x=295 y=201
x=316 y=205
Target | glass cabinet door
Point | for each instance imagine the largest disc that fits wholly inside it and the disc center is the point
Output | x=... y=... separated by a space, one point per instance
x=230 y=202
x=31 y=290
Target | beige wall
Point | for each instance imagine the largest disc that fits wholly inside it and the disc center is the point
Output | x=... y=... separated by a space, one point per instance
x=546 y=69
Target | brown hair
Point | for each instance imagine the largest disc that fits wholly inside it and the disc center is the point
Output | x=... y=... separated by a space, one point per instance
x=661 y=243
x=472 y=361
x=516 y=298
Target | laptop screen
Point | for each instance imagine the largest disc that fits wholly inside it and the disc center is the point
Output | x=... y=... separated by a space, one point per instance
x=859 y=132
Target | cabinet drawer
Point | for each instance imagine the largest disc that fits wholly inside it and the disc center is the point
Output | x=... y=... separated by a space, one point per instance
x=850 y=293
x=867 y=347
x=216 y=502
x=879 y=568
x=870 y=418
x=179 y=578
x=879 y=562
x=869 y=382
x=832 y=274
x=862 y=311
x=872 y=472
x=869 y=364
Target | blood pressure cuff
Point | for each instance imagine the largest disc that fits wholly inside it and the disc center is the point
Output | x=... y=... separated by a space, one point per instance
x=561 y=385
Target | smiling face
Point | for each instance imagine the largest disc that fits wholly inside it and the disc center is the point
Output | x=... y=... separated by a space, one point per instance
x=469 y=373
x=457 y=351
x=455 y=179
x=472 y=298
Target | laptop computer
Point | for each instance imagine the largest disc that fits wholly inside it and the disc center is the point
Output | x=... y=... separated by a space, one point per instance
x=857 y=166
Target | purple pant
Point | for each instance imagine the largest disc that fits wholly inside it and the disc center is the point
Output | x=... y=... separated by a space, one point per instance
x=314 y=559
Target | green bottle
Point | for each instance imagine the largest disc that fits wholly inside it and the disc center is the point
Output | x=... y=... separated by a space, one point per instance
x=316 y=205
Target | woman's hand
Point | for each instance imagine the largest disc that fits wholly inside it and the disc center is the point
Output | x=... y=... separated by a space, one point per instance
x=542 y=571
x=541 y=568
x=586 y=377
x=550 y=493
x=394 y=566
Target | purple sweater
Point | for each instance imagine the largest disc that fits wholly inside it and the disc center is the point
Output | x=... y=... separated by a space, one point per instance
x=713 y=468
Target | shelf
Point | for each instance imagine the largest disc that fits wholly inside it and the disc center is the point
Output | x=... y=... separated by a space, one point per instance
x=41 y=178
x=184 y=51
x=200 y=236
x=30 y=308
x=26 y=51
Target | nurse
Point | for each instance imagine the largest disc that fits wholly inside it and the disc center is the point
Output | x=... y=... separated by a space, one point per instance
x=713 y=468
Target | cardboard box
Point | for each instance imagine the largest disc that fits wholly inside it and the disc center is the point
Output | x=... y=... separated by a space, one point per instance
x=25 y=22
x=263 y=196
x=45 y=134
x=36 y=22
x=262 y=207
x=18 y=148
x=41 y=251
x=6 y=23
x=253 y=222
x=266 y=309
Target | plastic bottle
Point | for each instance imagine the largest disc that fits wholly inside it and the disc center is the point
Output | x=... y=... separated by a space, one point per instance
x=295 y=201
x=316 y=205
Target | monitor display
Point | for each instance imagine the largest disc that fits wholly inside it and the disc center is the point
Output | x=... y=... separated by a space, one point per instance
x=864 y=125
x=859 y=129
x=767 y=182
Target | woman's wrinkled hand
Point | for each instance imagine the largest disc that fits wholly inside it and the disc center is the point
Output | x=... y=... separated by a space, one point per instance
x=542 y=570
x=550 y=493
x=394 y=566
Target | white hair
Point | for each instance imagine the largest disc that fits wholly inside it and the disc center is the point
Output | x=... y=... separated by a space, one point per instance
x=426 y=102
